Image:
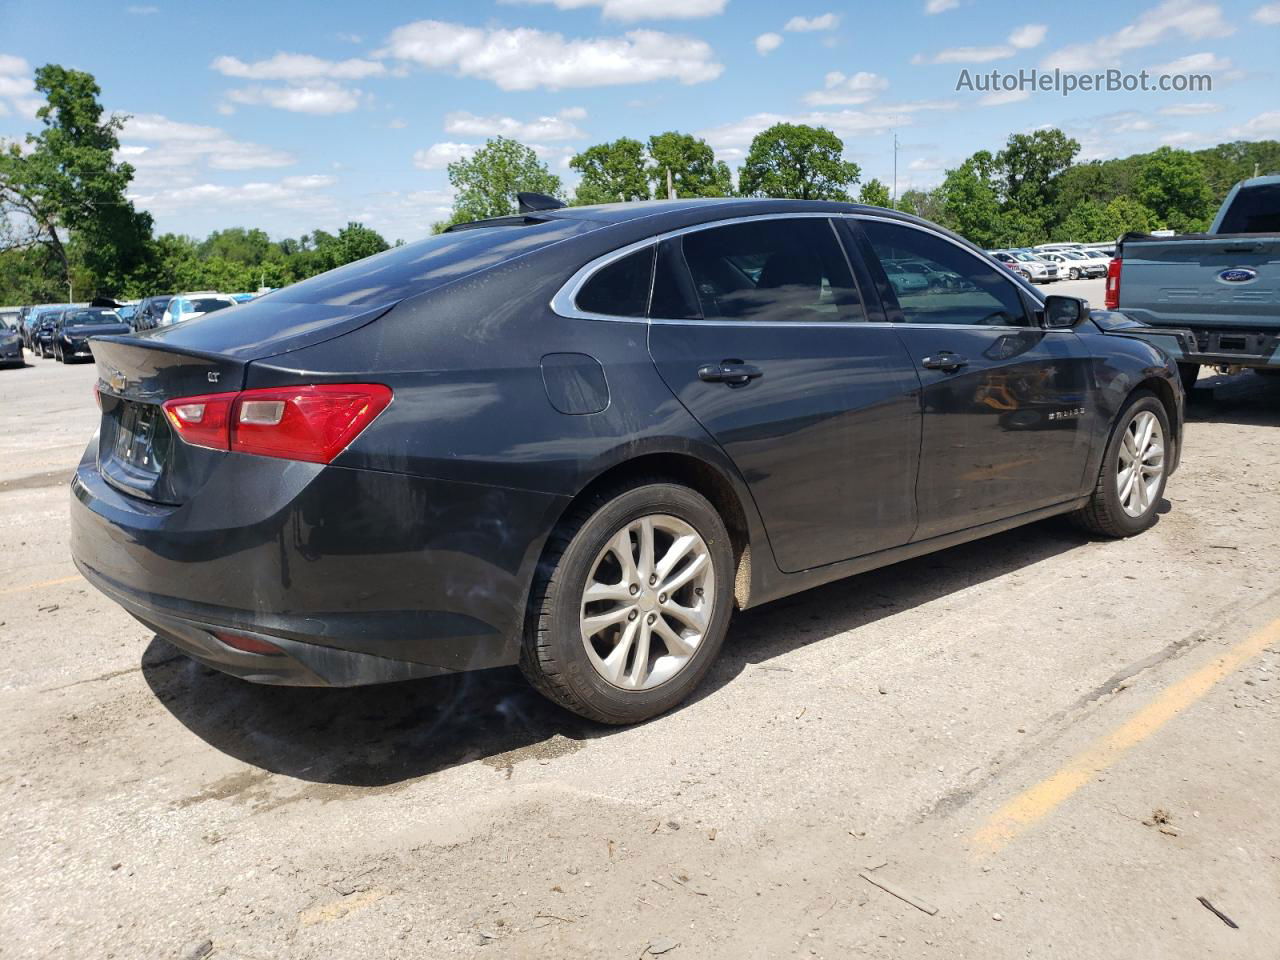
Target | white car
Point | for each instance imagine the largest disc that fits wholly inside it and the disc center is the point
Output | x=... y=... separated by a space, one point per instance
x=1029 y=265
x=188 y=306
x=1075 y=265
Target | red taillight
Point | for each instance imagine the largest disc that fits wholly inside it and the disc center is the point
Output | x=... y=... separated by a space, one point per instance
x=202 y=421
x=1112 y=300
x=314 y=423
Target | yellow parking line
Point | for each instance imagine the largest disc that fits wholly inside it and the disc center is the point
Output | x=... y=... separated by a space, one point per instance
x=1032 y=805
x=42 y=583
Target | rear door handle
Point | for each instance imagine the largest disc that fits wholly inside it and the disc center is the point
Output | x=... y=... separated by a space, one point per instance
x=944 y=360
x=733 y=372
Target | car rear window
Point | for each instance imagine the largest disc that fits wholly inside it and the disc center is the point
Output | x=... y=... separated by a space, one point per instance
x=418 y=267
x=1254 y=210
x=621 y=289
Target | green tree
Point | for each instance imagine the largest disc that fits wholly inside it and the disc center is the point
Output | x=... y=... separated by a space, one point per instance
x=486 y=184
x=1096 y=222
x=796 y=160
x=67 y=184
x=1028 y=169
x=923 y=203
x=355 y=241
x=611 y=172
x=693 y=167
x=969 y=204
x=1172 y=184
x=875 y=194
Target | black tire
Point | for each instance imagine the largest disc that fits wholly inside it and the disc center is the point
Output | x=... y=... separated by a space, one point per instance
x=1190 y=373
x=1104 y=515
x=553 y=656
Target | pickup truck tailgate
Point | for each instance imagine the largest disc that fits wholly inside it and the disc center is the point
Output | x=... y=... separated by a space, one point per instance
x=1230 y=281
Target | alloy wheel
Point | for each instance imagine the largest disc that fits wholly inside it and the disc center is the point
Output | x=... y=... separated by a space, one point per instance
x=1141 y=463
x=648 y=602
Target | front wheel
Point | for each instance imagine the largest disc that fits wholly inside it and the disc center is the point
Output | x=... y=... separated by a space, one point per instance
x=631 y=603
x=1132 y=477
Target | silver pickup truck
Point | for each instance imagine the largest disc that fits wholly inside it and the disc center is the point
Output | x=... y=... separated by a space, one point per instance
x=1221 y=287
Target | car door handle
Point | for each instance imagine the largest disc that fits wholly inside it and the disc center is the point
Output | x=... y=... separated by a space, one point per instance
x=733 y=372
x=944 y=360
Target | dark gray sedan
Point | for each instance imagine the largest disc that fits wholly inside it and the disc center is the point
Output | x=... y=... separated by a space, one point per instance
x=578 y=439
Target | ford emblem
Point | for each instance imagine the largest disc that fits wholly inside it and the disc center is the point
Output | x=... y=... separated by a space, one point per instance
x=1238 y=275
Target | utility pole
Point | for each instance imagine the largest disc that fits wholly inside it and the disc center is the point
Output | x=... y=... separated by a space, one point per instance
x=895 y=169
x=71 y=292
x=671 y=188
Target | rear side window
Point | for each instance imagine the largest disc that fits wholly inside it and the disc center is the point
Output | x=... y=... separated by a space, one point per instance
x=779 y=270
x=621 y=289
x=956 y=287
x=1254 y=210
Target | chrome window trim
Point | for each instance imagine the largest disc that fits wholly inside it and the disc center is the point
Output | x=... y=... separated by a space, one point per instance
x=564 y=304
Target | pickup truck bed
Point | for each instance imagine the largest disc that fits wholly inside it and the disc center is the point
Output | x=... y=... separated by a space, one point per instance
x=1222 y=287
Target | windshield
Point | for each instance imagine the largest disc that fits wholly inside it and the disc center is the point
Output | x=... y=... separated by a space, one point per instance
x=1028 y=258
x=85 y=318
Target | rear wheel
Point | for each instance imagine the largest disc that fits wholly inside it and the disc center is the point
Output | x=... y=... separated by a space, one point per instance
x=1132 y=477
x=631 y=603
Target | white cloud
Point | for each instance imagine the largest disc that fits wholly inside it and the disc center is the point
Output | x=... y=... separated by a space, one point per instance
x=142 y=11
x=297 y=67
x=1001 y=97
x=291 y=193
x=524 y=59
x=440 y=155
x=826 y=21
x=398 y=123
x=841 y=89
x=1264 y=125
x=1028 y=36
x=153 y=142
x=1191 y=109
x=559 y=126
x=630 y=10
x=1023 y=38
x=768 y=42
x=1188 y=18
x=940 y=6
x=844 y=123
x=1268 y=15
x=17 y=88
x=1194 y=63
x=320 y=99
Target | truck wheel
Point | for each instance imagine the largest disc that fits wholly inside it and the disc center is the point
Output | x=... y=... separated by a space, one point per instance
x=630 y=604
x=1132 y=476
x=1190 y=373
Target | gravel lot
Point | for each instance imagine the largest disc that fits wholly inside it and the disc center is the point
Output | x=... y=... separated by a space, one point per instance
x=877 y=726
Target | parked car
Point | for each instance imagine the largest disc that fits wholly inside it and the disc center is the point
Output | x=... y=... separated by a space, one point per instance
x=42 y=332
x=583 y=436
x=125 y=311
x=149 y=312
x=1220 y=287
x=1037 y=269
x=1075 y=265
x=188 y=306
x=906 y=276
x=32 y=321
x=10 y=341
x=73 y=329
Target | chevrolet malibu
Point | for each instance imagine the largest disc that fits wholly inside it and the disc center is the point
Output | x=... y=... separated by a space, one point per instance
x=577 y=439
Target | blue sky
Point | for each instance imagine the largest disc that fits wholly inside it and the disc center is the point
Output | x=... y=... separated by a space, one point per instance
x=293 y=115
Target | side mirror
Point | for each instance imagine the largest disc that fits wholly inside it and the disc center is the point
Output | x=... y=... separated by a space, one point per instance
x=1063 y=313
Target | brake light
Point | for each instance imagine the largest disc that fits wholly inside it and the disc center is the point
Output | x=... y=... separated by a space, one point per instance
x=246 y=643
x=202 y=421
x=1112 y=299
x=313 y=423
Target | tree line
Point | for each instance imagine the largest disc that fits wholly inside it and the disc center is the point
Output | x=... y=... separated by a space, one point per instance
x=66 y=223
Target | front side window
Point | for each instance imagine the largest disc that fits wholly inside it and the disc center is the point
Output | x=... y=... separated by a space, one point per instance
x=978 y=296
x=620 y=289
x=781 y=270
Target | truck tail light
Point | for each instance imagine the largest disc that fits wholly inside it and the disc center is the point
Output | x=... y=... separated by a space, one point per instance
x=1112 y=300
x=313 y=423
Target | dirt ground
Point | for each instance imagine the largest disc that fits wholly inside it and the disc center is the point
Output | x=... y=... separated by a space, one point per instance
x=1059 y=744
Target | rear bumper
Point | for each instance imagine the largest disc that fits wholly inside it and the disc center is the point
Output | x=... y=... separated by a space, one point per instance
x=356 y=576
